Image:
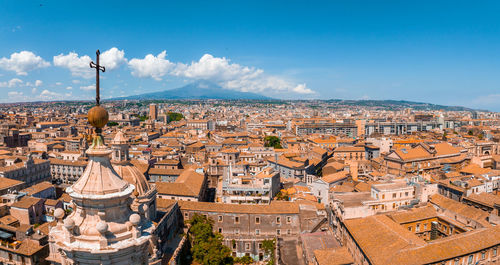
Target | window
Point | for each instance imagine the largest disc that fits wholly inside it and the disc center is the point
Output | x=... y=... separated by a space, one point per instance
x=417 y=228
x=483 y=255
x=425 y=226
x=236 y=219
x=288 y=219
x=220 y=218
x=236 y=231
x=383 y=196
x=406 y=194
x=278 y=232
x=278 y=220
x=409 y=228
x=257 y=232
x=220 y=230
x=257 y=220
x=394 y=195
x=471 y=257
x=234 y=245
x=186 y=215
x=260 y=245
x=494 y=252
x=247 y=246
x=288 y=232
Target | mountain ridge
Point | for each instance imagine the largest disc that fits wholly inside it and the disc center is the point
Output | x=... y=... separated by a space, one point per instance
x=197 y=90
x=204 y=90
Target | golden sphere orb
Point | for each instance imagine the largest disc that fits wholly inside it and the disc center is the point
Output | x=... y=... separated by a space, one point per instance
x=98 y=116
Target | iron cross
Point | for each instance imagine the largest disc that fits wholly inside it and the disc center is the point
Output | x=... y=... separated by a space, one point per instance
x=97 y=68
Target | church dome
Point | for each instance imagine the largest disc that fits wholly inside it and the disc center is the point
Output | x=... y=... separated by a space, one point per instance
x=120 y=138
x=99 y=178
x=133 y=176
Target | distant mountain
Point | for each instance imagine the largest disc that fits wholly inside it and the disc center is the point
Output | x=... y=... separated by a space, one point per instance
x=197 y=90
x=399 y=104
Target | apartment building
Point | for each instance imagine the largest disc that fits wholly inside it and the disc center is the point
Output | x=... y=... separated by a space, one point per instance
x=250 y=189
x=66 y=171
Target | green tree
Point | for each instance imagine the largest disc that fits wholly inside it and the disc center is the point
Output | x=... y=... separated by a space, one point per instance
x=272 y=141
x=207 y=247
x=444 y=136
x=174 y=116
x=112 y=123
x=282 y=196
x=269 y=246
x=244 y=260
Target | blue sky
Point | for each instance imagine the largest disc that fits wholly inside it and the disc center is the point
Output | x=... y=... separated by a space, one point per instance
x=444 y=52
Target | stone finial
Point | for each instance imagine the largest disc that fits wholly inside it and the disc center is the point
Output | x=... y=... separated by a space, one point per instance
x=135 y=219
x=102 y=227
x=59 y=214
x=69 y=223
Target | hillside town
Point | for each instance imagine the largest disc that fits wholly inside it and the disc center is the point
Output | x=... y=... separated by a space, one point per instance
x=321 y=182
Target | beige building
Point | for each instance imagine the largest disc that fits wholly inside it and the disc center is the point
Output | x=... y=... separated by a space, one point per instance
x=29 y=170
x=66 y=171
x=189 y=186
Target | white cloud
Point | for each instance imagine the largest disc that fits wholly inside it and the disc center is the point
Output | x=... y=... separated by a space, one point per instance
x=23 y=62
x=76 y=81
x=46 y=94
x=88 y=88
x=218 y=70
x=38 y=82
x=14 y=82
x=14 y=94
x=33 y=90
x=69 y=88
x=58 y=83
x=151 y=66
x=112 y=58
x=78 y=66
x=234 y=76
